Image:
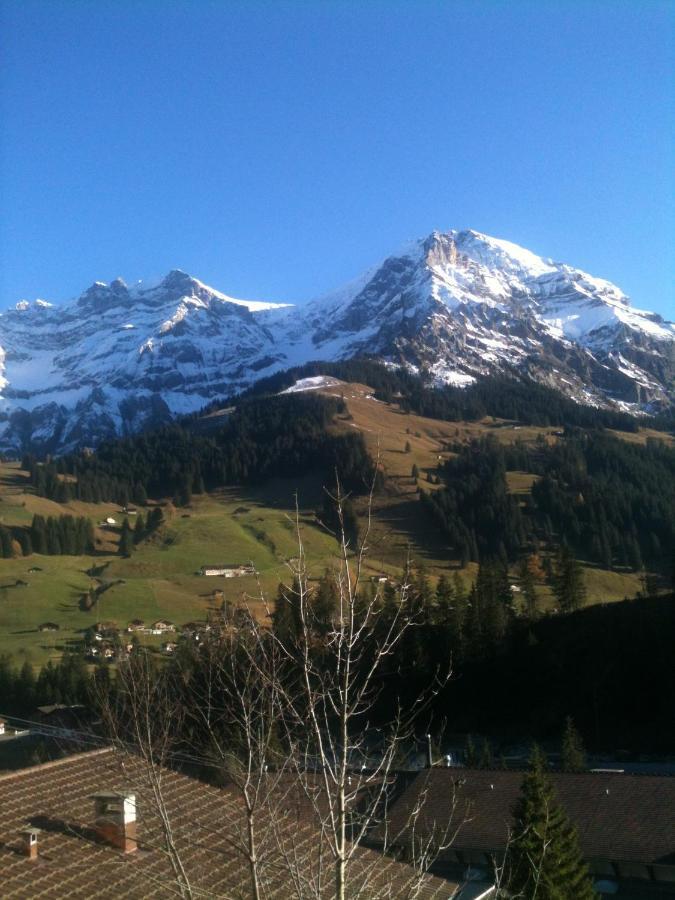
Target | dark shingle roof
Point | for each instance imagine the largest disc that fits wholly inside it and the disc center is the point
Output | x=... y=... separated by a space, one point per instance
x=208 y=827
x=618 y=816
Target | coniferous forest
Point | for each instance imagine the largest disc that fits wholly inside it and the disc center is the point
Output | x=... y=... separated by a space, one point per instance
x=611 y=501
x=260 y=438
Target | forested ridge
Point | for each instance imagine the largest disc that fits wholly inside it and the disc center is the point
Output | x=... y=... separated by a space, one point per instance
x=611 y=501
x=260 y=438
x=509 y=397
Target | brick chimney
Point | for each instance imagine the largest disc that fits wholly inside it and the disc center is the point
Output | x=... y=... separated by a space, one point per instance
x=29 y=841
x=115 y=820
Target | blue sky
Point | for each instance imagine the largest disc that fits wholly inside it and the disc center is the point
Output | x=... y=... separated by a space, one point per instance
x=275 y=150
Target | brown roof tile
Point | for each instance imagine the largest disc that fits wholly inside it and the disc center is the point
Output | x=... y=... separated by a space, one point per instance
x=618 y=816
x=208 y=826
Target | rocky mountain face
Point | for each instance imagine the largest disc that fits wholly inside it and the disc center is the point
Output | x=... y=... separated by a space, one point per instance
x=456 y=305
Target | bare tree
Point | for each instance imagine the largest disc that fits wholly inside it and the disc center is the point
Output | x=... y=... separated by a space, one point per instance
x=343 y=761
x=234 y=701
x=289 y=721
x=142 y=718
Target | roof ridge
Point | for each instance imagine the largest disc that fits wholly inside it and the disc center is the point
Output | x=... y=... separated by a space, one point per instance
x=55 y=762
x=595 y=773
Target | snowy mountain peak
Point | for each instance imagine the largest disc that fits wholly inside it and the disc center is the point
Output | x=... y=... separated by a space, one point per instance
x=455 y=305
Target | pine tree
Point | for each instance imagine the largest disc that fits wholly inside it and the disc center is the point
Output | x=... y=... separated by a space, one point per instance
x=470 y=753
x=286 y=615
x=544 y=859
x=444 y=600
x=325 y=602
x=155 y=519
x=139 y=529
x=568 y=581
x=25 y=688
x=573 y=755
x=126 y=539
x=486 y=761
x=527 y=585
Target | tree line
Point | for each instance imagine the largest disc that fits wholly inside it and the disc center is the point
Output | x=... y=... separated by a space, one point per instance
x=261 y=438
x=53 y=535
x=512 y=396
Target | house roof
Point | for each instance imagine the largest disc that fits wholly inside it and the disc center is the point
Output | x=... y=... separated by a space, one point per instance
x=208 y=829
x=619 y=817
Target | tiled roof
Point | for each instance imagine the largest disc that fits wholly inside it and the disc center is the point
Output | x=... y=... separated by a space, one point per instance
x=207 y=824
x=618 y=816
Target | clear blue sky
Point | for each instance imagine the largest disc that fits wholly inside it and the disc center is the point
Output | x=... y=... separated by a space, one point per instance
x=275 y=150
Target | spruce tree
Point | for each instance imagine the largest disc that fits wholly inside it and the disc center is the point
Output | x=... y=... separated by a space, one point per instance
x=573 y=755
x=544 y=859
x=527 y=586
x=126 y=539
x=486 y=761
x=470 y=753
x=325 y=602
x=286 y=614
x=139 y=529
x=568 y=581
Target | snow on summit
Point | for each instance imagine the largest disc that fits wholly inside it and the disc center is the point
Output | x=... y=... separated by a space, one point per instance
x=456 y=304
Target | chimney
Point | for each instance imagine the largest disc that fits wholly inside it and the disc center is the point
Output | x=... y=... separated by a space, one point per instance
x=29 y=840
x=430 y=758
x=115 y=820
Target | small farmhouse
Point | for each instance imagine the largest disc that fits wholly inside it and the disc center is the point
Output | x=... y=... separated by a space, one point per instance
x=228 y=571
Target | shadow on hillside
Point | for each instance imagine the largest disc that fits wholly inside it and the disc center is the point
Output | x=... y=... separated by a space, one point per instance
x=407 y=517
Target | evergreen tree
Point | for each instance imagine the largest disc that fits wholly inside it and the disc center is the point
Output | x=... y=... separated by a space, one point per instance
x=415 y=472
x=573 y=755
x=155 y=519
x=24 y=691
x=470 y=753
x=544 y=859
x=286 y=616
x=568 y=581
x=527 y=586
x=139 y=529
x=444 y=600
x=325 y=602
x=486 y=761
x=126 y=544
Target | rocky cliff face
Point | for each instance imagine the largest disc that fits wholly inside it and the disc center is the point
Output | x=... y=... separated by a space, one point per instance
x=456 y=304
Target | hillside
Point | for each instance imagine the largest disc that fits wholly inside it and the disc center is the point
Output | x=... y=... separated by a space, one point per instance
x=253 y=520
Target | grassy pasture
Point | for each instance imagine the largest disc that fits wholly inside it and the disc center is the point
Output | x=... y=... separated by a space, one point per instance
x=245 y=525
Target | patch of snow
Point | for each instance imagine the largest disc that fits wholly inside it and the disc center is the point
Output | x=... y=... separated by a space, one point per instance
x=311 y=384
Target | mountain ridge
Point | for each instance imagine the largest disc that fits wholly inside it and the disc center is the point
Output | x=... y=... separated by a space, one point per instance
x=455 y=305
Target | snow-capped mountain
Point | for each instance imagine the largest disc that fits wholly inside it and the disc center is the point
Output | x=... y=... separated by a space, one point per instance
x=456 y=304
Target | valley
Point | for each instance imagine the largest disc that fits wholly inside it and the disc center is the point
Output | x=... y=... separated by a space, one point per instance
x=242 y=524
